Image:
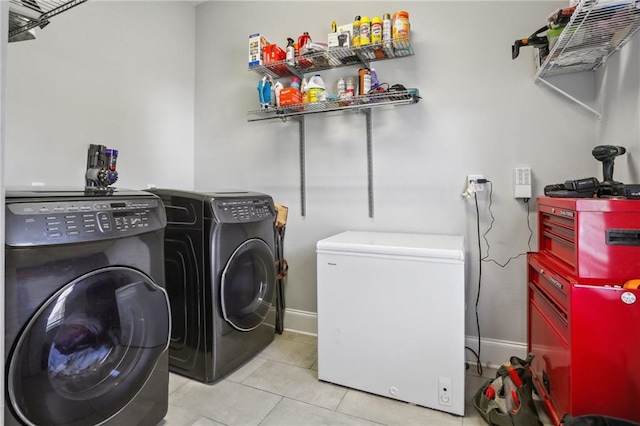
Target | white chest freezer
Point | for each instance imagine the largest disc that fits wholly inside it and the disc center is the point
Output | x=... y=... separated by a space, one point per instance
x=391 y=316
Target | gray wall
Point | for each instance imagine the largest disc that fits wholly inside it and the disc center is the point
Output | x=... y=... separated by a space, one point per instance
x=119 y=74
x=619 y=101
x=481 y=113
x=138 y=75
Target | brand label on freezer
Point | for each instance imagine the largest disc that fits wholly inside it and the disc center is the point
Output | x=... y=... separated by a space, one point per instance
x=628 y=298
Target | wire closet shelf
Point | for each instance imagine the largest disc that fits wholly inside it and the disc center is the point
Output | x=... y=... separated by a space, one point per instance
x=25 y=15
x=596 y=30
x=335 y=57
x=373 y=100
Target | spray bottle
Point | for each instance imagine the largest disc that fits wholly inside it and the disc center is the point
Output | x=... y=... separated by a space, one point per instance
x=291 y=51
x=355 y=41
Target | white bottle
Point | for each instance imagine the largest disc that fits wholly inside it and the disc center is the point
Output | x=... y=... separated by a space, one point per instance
x=291 y=52
x=316 y=89
x=342 y=88
x=277 y=87
x=386 y=27
x=351 y=88
x=304 y=90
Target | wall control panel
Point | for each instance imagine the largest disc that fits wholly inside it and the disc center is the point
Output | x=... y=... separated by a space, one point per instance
x=522 y=182
x=57 y=222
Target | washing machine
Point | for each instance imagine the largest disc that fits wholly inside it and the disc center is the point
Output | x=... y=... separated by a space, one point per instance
x=221 y=279
x=87 y=316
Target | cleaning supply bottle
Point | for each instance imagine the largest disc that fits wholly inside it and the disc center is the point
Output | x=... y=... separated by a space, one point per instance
x=305 y=90
x=355 y=41
x=364 y=83
x=386 y=27
x=401 y=28
x=350 y=88
x=316 y=89
x=374 y=79
x=291 y=51
x=376 y=30
x=264 y=91
x=295 y=83
x=302 y=40
x=387 y=34
x=342 y=87
x=277 y=87
x=365 y=31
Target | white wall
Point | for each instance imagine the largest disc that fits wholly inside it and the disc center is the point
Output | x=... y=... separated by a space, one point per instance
x=481 y=113
x=119 y=74
x=619 y=100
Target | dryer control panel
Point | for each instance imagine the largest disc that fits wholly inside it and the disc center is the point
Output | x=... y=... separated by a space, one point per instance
x=30 y=223
x=243 y=210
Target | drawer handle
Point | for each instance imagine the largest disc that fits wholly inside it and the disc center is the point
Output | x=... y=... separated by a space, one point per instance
x=623 y=237
x=556 y=283
x=552 y=306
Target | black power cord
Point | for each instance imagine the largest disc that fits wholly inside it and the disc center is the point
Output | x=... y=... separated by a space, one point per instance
x=484 y=236
x=487 y=259
x=477 y=355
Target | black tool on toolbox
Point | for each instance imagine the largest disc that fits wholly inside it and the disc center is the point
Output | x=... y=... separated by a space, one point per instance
x=607 y=154
x=578 y=188
x=589 y=187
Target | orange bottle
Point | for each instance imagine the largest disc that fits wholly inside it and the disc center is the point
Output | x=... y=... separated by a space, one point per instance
x=401 y=28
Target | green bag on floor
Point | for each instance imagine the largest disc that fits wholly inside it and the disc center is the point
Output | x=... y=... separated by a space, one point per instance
x=507 y=404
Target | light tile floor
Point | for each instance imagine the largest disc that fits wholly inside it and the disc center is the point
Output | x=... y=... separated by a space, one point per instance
x=280 y=387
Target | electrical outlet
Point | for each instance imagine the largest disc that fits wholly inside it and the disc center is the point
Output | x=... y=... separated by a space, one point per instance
x=444 y=391
x=477 y=187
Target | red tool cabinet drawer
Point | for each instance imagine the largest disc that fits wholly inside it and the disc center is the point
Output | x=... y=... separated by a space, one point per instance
x=552 y=283
x=591 y=237
x=548 y=333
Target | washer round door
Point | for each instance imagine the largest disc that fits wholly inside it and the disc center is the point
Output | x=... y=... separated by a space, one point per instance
x=248 y=285
x=89 y=349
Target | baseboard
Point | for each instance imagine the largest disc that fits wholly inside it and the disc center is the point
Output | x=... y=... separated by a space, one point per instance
x=494 y=352
x=301 y=321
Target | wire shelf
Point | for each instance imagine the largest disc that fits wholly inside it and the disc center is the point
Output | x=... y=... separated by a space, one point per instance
x=25 y=15
x=597 y=29
x=335 y=57
x=373 y=100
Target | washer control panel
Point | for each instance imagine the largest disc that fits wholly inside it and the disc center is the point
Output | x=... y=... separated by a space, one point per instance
x=239 y=210
x=57 y=222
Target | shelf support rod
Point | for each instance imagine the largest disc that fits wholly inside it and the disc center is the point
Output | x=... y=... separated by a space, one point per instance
x=367 y=113
x=303 y=190
x=573 y=98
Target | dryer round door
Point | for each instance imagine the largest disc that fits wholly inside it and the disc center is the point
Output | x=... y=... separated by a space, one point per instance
x=248 y=285
x=89 y=349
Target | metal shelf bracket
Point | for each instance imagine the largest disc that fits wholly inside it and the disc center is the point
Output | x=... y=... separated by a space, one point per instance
x=568 y=96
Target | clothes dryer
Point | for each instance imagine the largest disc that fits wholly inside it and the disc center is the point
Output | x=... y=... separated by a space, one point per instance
x=221 y=279
x=87 y=317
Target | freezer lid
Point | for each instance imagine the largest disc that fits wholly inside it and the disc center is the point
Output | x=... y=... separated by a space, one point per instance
x=387 y=243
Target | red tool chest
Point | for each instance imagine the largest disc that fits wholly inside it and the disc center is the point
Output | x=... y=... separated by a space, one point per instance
x=583 y=326
x=591 y=237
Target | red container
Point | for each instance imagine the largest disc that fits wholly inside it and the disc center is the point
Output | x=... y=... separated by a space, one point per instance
x=273 y=53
